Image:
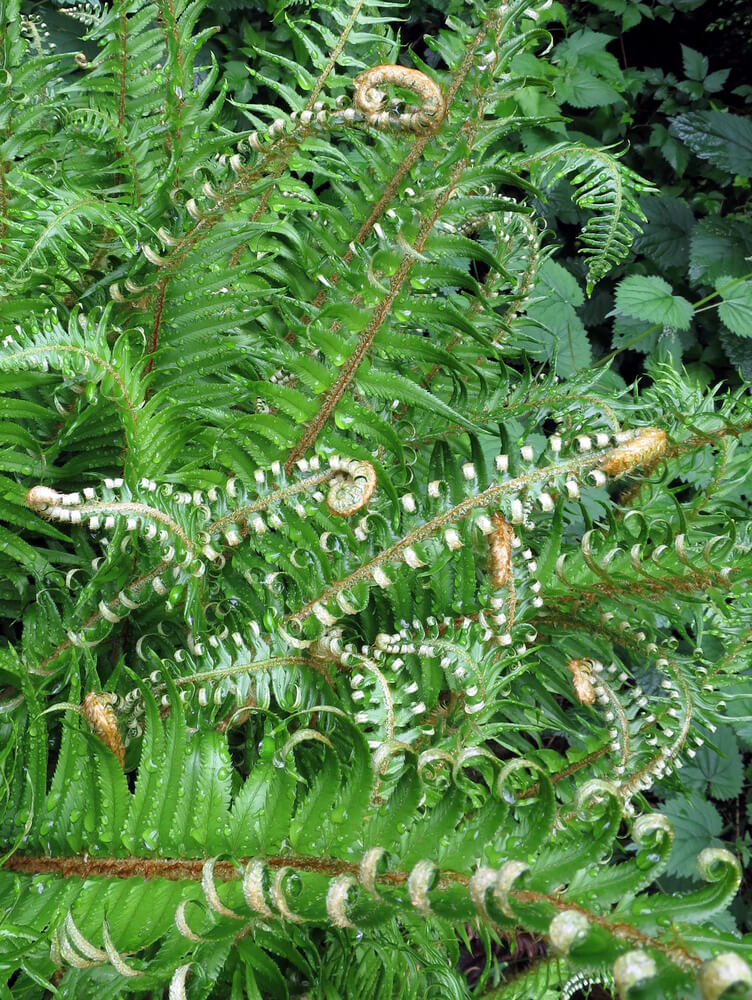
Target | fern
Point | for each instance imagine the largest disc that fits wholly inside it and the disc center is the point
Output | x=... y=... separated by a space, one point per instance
x=337 y=640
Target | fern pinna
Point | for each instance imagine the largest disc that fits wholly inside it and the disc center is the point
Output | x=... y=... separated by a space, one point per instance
x=338 y=641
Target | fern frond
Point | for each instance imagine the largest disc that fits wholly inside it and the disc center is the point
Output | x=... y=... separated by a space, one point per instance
x=603 y=186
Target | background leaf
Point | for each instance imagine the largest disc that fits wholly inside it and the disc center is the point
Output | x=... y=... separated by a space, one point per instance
x=720 y=765
x=652 y=299
x=718 y=136
x=697 y=824
x=736 y=308
x=665 y=237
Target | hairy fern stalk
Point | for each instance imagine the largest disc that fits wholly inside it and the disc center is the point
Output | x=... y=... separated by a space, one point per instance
x=337 y=639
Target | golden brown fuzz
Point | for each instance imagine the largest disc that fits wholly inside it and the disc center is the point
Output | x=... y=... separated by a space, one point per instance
x=500 y=551
x=644 y=449
x=582 y=681
x=101 y=719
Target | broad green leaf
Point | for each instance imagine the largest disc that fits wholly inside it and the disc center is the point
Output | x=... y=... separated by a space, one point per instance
x=720 y=765
x=665 y=236
x=561 y=282
x=652 y=299
x=695 y=64
x=559 y=333
x=714 y=82
x=666 y=344
x=718 y=136
x=736 y=308
x=739 y=351
x=553 y=328
x=697 y=824
x=720 y=246
x=583 y=89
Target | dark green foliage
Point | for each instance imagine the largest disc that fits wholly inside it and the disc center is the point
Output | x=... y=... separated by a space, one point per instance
x=688 y=132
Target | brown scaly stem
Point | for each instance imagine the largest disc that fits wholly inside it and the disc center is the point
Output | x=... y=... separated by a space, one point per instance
x=172 y=28
x=377 y=211
x=174 y=869
x=335 y=54
x=182 y=869
x=123 y=64
x=696 y=583
x=318 y=87
x=406 y=166
x=484 y=499
x=154 y=337
x=3 y=208
x=349 y=370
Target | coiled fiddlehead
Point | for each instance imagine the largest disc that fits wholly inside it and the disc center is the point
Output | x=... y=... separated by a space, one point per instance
x=371 y=101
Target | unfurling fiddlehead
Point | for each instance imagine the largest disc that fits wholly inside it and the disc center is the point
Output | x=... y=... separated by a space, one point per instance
x=99 y=714
x=371 y=101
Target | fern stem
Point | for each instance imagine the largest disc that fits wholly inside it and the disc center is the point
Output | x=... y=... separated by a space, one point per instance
x=624 y=931
x=32 y=353
x=134 y=588
x=486 y=498
x=336 y=52
x=335 y=394
x=377 y=211
x=181 y=869
x=349 y=370
x=154 y=337
x=167 y=12
x=3 y=206
x=277 y=497
x=123 y=39
x=174 y=869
